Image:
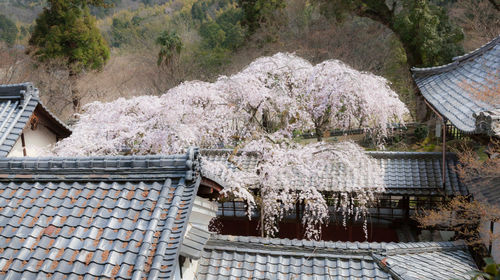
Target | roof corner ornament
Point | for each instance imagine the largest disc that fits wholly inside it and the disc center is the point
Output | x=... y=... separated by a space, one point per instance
x=193 y=163
x=488 y=122
x=26 y=94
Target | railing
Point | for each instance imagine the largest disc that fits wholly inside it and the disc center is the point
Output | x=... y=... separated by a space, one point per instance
x=398 y=129
x=454 y=133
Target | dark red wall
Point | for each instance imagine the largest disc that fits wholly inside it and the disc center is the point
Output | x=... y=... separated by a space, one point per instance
x=293 y=230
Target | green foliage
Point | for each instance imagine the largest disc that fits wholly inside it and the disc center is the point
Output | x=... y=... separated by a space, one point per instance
x=67 y=30
x=427 y=31
x=395 y=69
x=421 y=132
x=170 y=45
x=428 y=36
x=199 y=10
x=8 y=30
x=221 y=32
x=203 y=10
x=257 y=12
x=225 y=32
x=104 y=10
x=491 y=271
x=125 y=30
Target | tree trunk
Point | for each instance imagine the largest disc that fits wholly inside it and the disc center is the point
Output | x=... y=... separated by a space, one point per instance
x=262 y=222
x=378 y=11
x=319 y=133
x=75 y=95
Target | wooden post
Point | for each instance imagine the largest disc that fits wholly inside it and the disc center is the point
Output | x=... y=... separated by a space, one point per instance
x=24 y=145
x=443 y=141
x=444 y=153
x=492 y=229
x=297 y=220
x=262 y=221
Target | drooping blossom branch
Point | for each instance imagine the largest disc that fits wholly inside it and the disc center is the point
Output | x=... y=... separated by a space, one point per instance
x=257 y=109
x=287 y=174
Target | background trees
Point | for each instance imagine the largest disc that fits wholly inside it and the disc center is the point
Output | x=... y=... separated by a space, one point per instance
x=423 y=28
x=305 y=27
x=8 y=30
x=170 y=48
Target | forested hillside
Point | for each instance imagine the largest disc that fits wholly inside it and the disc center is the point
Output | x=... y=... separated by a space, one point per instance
x=157 y=44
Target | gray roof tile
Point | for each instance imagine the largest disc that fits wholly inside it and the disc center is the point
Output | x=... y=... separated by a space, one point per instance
x=194 y=242
x=405 y=173
x=80 y=220
x=17 y=104
x=446 y=87
x=231 y=257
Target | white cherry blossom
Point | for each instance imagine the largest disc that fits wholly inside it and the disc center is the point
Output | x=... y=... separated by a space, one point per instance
x=258 y=110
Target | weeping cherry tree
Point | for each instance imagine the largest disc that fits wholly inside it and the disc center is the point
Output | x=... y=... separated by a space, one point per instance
x=258 y=110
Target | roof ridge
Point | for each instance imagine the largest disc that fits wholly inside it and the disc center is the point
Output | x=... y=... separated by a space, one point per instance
x=299 y=242
x=60 y=122
x=217 y=151
x=424 y=247
x=94 y=163
x=457 y=60
x=166 y=231
x=18 y=90
x=411 y=247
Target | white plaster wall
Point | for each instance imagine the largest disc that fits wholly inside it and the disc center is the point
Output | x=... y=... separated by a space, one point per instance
x=37 y=142
x=177 y=273
x=189 y=269
x=203 y=211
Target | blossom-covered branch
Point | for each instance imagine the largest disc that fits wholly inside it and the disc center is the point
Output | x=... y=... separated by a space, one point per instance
x=258 y=109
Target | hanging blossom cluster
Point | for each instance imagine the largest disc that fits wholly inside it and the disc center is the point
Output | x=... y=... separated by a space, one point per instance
x=287 y=173
x=258 y=109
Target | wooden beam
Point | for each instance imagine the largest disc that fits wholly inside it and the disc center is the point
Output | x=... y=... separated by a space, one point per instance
x=209 y=188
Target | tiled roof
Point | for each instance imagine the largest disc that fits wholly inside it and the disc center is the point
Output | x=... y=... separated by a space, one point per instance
x=404 y=173
x=233 y=257
x=447 y=87
x=488 y=191
x=17 y=104
x=194 y=242
x=107 y=217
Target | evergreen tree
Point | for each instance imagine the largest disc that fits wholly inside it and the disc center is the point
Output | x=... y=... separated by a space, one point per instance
x=423 y=28
x=427 y=33
x=67 y=30
x=170 y=46
x=8 y=30
x=257 y=12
